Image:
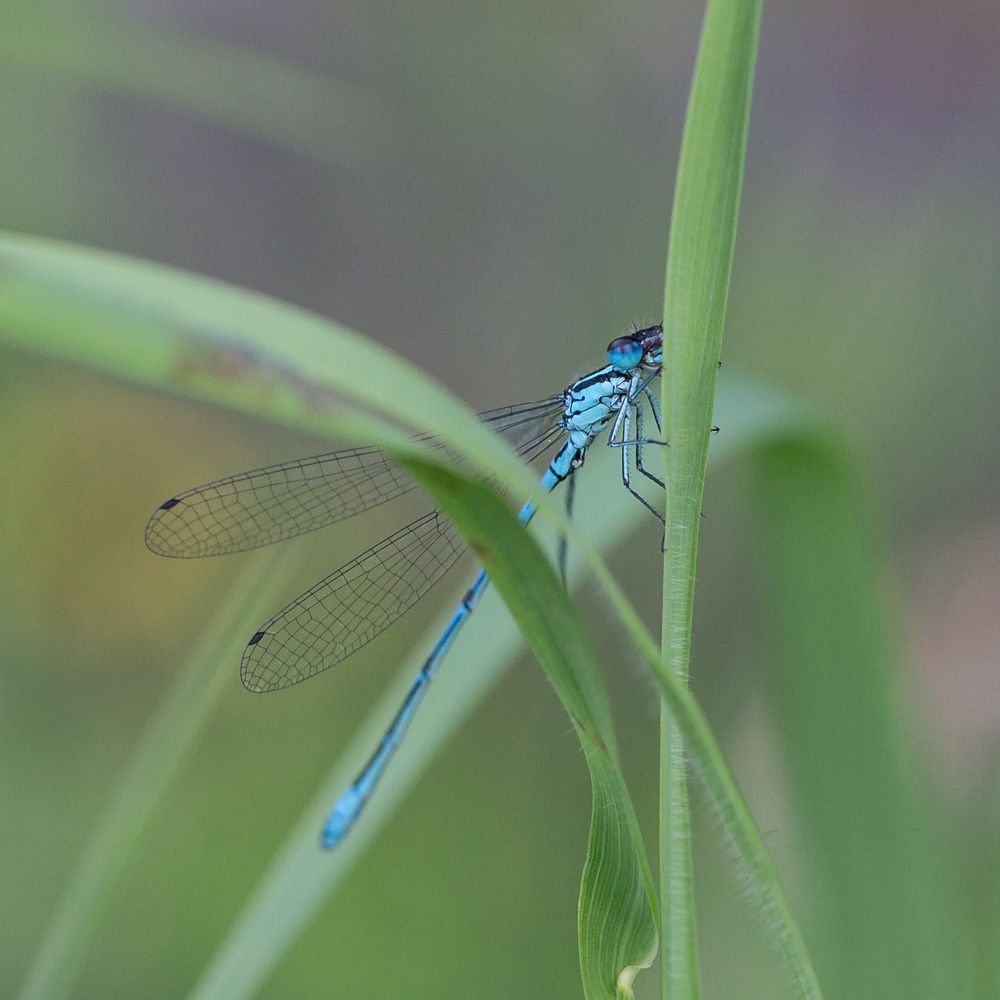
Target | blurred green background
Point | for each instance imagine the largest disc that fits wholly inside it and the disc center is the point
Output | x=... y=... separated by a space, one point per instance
x=485 y=189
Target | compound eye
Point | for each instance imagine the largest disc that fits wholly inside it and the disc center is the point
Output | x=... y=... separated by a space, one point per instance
x=625 y=353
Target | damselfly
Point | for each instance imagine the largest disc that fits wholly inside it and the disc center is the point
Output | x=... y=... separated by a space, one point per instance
x=354 y=604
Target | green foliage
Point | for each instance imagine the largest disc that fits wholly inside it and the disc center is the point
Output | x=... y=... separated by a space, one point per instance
x=699 y=259
x=157 y=326
x=886 y=924
x=299 y=881
x=831 y=664
x=617 y=933
x=145 y=316
x=173 y=331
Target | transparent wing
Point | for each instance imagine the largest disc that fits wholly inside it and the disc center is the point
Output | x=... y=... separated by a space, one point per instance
x=266 y=505
x=351 y=606
x=357 y=602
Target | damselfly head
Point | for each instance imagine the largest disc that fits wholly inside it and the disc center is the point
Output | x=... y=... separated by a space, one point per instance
x=643 y=346
x=625 y=353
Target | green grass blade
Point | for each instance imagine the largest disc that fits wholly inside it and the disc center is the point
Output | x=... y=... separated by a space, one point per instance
x=616 y=925
x=170 y=736
x=702 y=235
x=723 y=792
x=982 y=820
x=868 y=836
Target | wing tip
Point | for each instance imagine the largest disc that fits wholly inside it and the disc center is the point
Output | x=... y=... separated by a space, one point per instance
x=157 y=540
x=250 y=675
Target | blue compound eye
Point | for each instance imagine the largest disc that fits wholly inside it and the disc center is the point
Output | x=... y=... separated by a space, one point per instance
x=625 y=353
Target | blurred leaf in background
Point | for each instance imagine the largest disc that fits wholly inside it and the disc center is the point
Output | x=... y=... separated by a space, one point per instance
x=488 y=201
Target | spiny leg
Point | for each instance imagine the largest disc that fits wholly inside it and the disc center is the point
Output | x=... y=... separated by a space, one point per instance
x=637 y=390
x=654 y=406
x=640 y=442
x=626 y=472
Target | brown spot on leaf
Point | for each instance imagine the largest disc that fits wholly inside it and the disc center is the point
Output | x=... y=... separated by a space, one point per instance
x=481 y=549
x=207 y=355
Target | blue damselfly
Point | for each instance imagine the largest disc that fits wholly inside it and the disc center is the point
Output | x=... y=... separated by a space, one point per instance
x=354 y=604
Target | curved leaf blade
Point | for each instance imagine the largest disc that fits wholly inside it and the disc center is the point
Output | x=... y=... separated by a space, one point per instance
x=617 y=909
